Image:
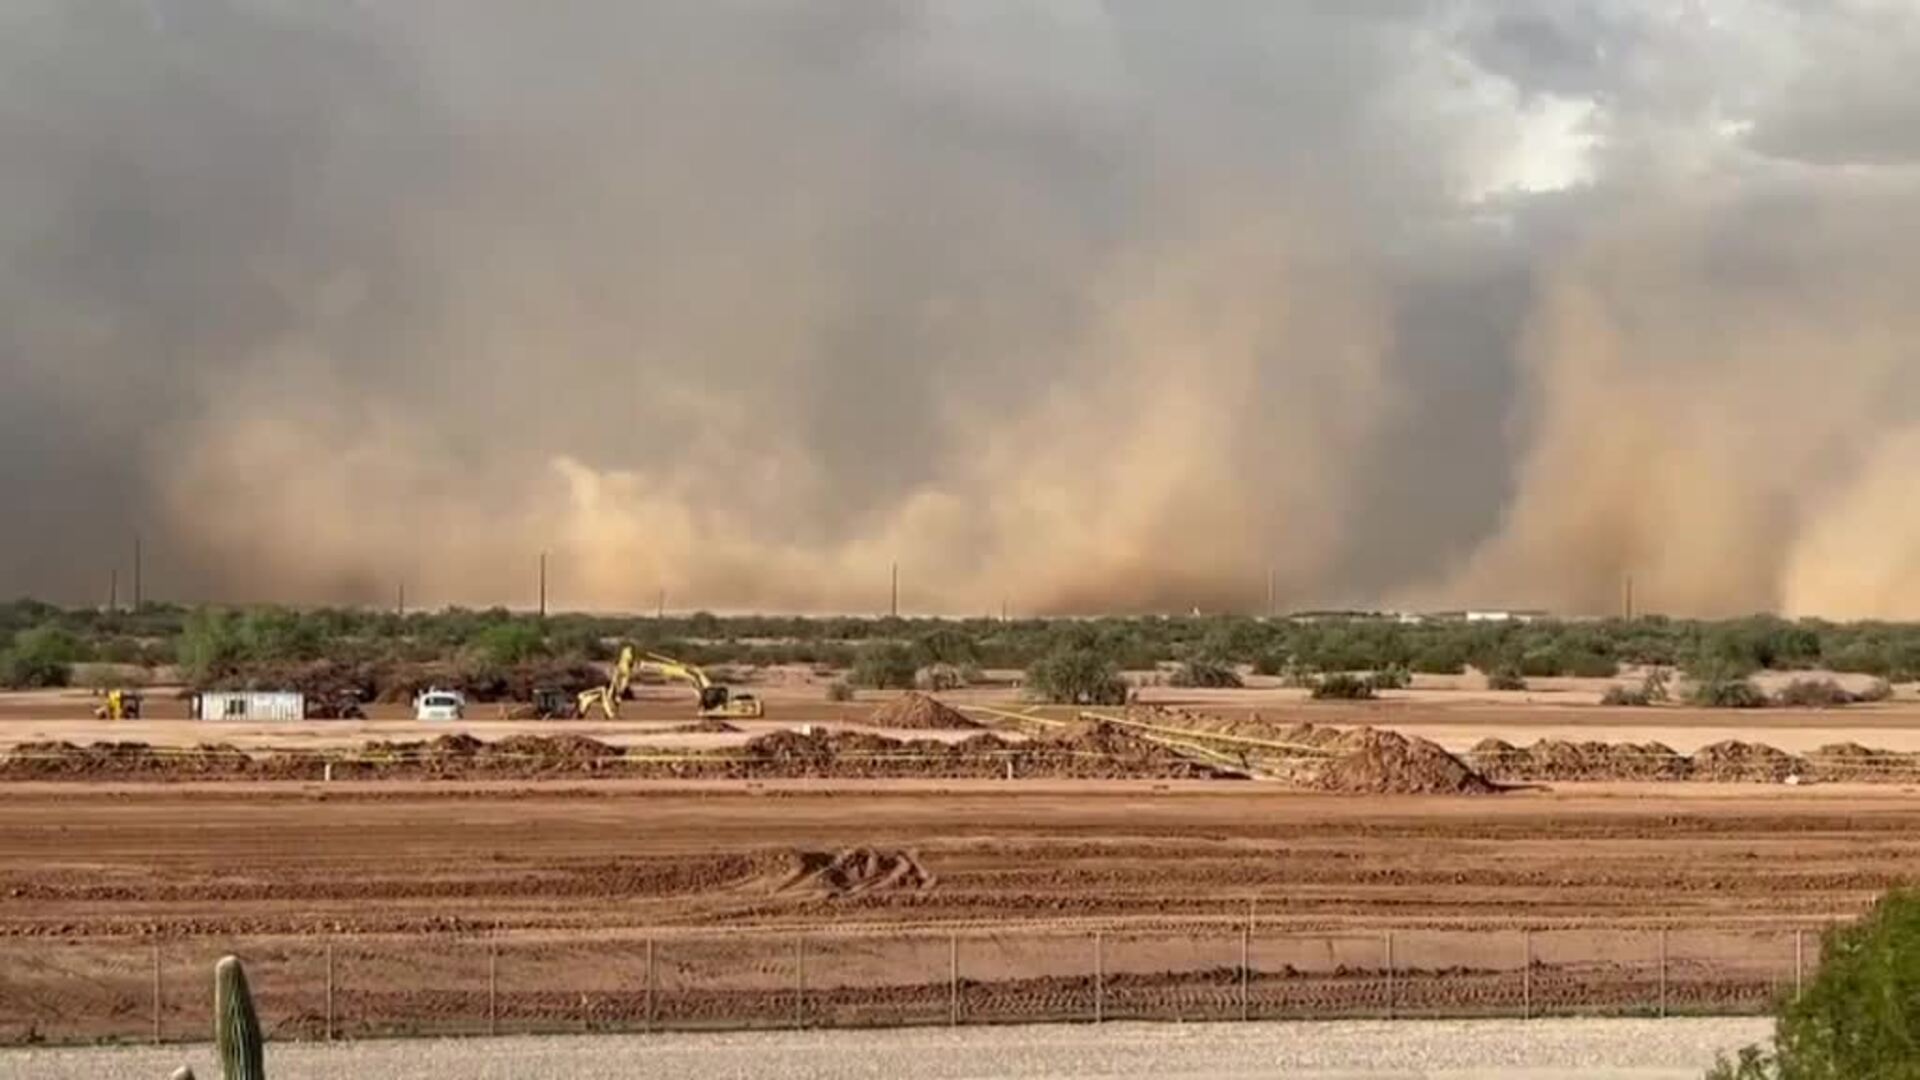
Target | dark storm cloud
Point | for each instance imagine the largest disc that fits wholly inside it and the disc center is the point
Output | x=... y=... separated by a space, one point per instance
x=1082 y=305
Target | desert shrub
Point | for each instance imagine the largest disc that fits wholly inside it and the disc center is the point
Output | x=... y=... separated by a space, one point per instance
x=1813 y=694
x=840 y=690
x=1442 y=657
x=938 y=678
x=948 y=646
x=1726 y=694
x=884 y=665
x=210 y=646
x=1582 y=664
x=1858 y=1018
x=1343 y=686
x=1541 y=663
x=1626 y=696
x=1077 y=675
x=1297 y=674
x=41 y=657
x=1204 y=672
x=1391 y=677
x=1506 y=677
x=507 y=645
x=1877 y=690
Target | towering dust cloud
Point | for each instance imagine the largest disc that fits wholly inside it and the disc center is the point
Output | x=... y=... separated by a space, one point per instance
x=1085 y=306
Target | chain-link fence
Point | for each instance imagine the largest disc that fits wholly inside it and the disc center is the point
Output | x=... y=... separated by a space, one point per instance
x=358 y=987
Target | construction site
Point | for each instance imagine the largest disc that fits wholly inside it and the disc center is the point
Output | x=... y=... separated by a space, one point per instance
x=966 y=856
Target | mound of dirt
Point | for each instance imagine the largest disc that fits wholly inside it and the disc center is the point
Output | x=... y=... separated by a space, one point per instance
x=852 y=872
x=1558 y=759
x=915 y=711
x=1851 y=761
x=1733 y=760
x=1387 y=762
x=571 y=748
x=708 y=725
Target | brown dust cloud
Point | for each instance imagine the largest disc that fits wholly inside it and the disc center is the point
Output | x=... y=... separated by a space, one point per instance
x=1081 y=307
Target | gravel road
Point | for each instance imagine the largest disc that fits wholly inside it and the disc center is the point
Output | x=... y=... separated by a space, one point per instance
x=1399 y=1050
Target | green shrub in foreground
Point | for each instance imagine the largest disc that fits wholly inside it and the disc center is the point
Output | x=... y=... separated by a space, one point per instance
x=1859 y=1017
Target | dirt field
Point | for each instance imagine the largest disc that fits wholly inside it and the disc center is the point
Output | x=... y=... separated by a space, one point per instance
x=83 y=860
x=521 y=905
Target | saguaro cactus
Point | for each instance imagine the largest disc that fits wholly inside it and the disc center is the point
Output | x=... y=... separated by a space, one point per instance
x=236 y=1028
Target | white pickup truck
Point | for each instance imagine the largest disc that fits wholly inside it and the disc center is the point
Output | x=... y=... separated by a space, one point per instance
x=439 y=705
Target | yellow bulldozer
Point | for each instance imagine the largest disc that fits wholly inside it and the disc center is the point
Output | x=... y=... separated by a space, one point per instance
x=715 y=700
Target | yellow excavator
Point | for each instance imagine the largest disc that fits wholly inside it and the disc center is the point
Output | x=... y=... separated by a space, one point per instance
x=120 y=705
x=715 y=700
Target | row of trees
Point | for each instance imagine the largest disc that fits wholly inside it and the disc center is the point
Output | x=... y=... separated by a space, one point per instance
x=36 y=637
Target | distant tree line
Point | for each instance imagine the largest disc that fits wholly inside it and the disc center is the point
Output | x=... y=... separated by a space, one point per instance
x=39 y=643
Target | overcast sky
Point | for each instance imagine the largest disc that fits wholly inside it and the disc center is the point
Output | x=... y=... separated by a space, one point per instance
x=1079 y=306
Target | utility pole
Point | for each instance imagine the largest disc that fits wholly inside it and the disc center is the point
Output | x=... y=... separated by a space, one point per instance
x=893 y=608
x=400 y=600
x=1629 y=597
x=139 y=597
x=660 y=610
x=113 y=590
x=543 y=584
x=1269 y=591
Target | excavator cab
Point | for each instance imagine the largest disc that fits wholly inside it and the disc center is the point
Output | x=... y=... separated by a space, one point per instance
x=722 y=701
x=550 y=703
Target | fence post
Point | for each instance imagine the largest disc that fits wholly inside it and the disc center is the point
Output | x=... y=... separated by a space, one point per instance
x=493 y=987
x=953 y=980
x=1799 y=954
x=799 y=982
x=1246 y=969
x=1389 y=943
x=651 y=984
x=1526 y=974
x=329 y=991
x=1099 y=977
x=156 y=991
x=1663 y=972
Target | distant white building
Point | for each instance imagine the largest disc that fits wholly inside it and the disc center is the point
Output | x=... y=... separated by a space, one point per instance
x=1505 y=616
x=250 y=705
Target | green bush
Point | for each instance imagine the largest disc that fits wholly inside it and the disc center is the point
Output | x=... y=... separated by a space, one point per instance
x=1726 y=694
x=1077 y=675
x=41 y=657
x=1440 y=658
x=1343 y=686
x=1813 y=694
x=840 y=690
x=1391 y=677
x=1859 y=1016
x=509 y=644
x=1506 y=677
x=884 y=665
x=1591 y=665
x=1201 y=672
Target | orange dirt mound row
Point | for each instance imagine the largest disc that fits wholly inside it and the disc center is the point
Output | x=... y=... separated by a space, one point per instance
x=1095 y=753
x=1730 y=760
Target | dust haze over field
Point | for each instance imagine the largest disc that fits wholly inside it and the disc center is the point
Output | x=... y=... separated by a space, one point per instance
x=1080 y=306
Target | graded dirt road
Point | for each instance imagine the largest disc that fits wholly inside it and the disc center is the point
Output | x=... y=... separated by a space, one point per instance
x=1536 y=1050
